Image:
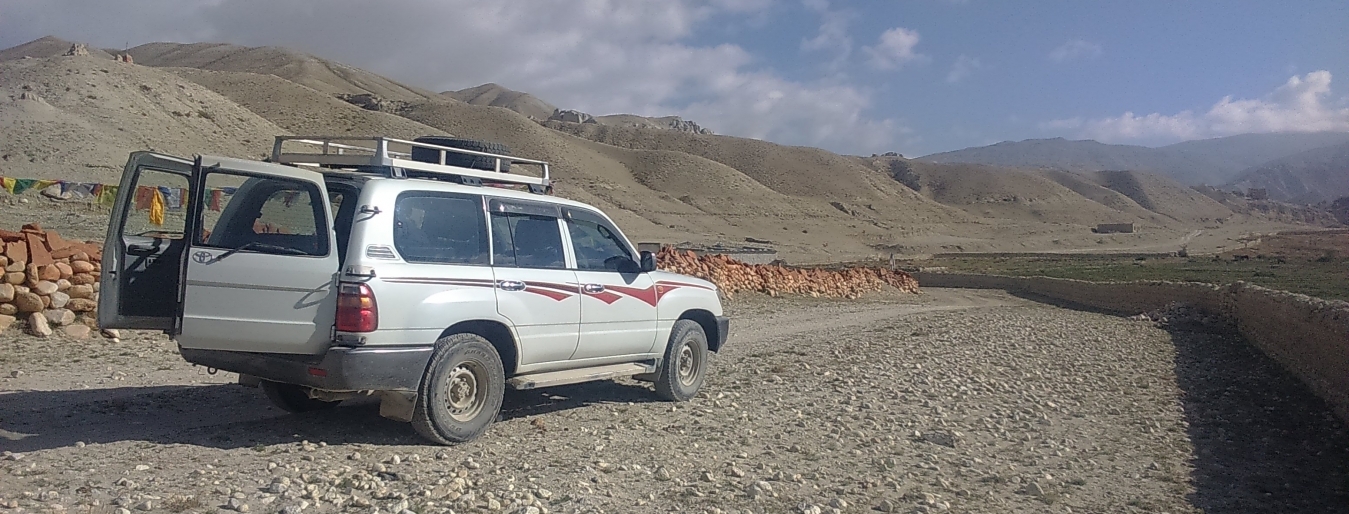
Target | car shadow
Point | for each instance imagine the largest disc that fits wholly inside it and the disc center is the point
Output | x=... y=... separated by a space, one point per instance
x=228 y=416
x=535 y=402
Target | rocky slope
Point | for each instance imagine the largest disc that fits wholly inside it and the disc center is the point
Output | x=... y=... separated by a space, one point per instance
x=77 y=118
x=308 y=70
x=496 y=96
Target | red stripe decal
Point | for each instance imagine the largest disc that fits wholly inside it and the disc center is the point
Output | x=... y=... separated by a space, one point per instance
x=605 y=296
x=681 y=284
x=650 y=295
x=556 y=295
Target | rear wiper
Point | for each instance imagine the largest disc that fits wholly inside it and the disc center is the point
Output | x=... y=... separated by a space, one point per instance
x=260 y=246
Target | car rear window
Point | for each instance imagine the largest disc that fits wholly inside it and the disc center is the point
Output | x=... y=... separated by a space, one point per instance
x=442 y=228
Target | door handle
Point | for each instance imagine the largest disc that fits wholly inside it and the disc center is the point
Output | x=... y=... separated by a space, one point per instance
x=510 y=285
x=593 y=288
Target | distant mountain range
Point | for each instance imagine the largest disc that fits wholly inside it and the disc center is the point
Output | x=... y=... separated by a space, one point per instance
x=1313 y=176
x=663 y=179
x=1218 y=162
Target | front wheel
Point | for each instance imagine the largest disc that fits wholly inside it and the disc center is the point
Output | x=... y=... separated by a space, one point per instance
x=461 y=393
x=293 y=398
x=681 y=372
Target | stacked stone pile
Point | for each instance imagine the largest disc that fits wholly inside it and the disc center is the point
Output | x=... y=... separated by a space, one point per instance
x=732 y=276
x=48 y=281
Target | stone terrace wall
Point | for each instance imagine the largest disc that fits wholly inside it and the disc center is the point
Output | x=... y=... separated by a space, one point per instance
x=1308 y=336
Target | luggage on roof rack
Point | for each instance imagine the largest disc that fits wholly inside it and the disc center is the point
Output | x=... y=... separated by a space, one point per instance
x=395 y=158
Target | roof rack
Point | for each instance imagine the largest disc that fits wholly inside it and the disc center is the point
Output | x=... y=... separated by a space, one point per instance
x=364 y=153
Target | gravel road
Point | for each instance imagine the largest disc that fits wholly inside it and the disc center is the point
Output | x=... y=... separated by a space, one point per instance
x=967 y=401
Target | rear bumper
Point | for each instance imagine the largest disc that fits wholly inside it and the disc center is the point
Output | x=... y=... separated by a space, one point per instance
x=340 y=369
x=723 y=330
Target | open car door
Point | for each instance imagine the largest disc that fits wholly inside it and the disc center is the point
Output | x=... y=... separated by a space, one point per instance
x=262 y=263
x=143 y=252
x=256 y=259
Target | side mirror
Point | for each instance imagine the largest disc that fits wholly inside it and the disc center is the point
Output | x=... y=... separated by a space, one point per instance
x=648 y=262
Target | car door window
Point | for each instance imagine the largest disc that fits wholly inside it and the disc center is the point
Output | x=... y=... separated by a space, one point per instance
x=527 y=241
x=598 y=246
x=263 y=215
x=440 y=228
x=158 y=207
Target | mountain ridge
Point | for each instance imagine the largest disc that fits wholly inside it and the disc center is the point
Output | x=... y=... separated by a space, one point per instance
x=1214 y=161
x=809 y=204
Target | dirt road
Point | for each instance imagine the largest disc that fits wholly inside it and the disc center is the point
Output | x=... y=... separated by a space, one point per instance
x=969 y=401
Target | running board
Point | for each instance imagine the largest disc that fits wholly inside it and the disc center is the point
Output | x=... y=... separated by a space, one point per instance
x=576 y=376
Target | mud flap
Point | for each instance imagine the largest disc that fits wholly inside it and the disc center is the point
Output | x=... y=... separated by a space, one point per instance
x=397 y=405
x=249 y=380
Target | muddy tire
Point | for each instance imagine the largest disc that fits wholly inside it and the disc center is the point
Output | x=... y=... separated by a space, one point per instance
x=293 y=398
x=681 y=372
x=461 y=391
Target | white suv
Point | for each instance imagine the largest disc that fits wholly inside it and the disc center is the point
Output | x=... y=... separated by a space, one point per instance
x=392 y=267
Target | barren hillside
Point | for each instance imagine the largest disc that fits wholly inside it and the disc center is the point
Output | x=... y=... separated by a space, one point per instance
x=496 y=96
x=77 y=118
x=790 y=170
x=300 y=109
x=50 y=46
x=1162 y=195
x=320 y=74
x=1013 y=194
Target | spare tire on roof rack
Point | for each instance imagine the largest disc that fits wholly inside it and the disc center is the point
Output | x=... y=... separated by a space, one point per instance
x=462 y=160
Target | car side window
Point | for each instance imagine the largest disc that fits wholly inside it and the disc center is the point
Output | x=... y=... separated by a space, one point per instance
x=598 y=246
x=264 y=215
x=442 y=228
x=160 y=205
x=528 y=241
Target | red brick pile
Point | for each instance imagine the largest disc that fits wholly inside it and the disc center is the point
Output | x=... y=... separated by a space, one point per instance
x=732 y=276
x=48 y=281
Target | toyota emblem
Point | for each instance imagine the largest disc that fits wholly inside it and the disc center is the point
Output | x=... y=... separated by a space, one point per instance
x=202 y=257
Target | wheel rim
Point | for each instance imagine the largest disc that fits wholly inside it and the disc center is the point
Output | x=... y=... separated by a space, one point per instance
x=690 y=363
x=466 y=391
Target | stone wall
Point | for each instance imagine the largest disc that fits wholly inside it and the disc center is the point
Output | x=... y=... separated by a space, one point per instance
x=1308 y=336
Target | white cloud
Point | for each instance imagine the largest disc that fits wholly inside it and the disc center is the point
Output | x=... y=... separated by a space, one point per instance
x=1075 y=49
x=833 y=36
x=599 y=56
x=764 y=106
x=962 y=68
x=1299 y=105
x=894 y=49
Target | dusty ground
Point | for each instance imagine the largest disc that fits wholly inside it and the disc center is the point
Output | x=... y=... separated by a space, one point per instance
x=951 y=400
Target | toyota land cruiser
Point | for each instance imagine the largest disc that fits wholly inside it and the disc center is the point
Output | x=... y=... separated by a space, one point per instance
x=407 y=269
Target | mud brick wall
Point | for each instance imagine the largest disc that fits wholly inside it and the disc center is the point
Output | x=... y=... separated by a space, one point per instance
x=1308 y=336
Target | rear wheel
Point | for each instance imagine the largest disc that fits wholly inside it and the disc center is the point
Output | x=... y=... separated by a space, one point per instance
x=293 y=398
x=461 y=393
x=681 y=372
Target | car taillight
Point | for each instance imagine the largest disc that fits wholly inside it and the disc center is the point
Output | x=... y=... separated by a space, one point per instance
x=356 y=310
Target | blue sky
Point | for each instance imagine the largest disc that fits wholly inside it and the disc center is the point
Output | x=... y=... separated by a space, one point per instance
x=913 y=76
